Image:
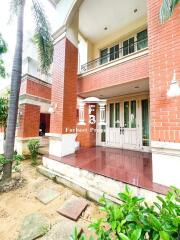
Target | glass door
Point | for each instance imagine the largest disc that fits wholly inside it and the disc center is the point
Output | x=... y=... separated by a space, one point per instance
x=114 y=138
x=145 y=124
x=130 y=126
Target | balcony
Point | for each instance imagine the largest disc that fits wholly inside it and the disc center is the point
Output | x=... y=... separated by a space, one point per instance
x=31 y=67
x=114 y=56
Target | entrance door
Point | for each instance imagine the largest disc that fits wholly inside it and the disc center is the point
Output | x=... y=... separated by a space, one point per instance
x=127 y=125
x=122 y=129
x=114 y=132
x=130 y=125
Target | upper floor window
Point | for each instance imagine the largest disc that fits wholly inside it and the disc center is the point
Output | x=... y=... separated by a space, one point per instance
x=135 y=43
x=142 y=41
x=128 y=46
x=104 y=56
x=114 y=52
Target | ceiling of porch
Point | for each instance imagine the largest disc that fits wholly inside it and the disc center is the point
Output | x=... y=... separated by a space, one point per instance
x=95 y=16
x=120 y=90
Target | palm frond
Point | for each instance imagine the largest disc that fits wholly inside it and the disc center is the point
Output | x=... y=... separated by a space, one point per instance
x=3 y=45
x=42 y=37
x=3 y=49
x=14 y=6
x=167 y=9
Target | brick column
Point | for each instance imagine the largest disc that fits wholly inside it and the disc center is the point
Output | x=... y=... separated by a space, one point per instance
x=64 y=98
x=29 y=116
x=164 y=56
x=28 y=126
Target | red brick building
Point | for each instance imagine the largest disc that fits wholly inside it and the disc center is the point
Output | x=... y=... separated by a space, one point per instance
x=123 y=56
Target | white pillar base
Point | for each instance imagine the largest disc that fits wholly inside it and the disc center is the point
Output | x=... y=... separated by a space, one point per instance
x=166 y=163
x=21 y=145
x=62 y=144
x=1 y=143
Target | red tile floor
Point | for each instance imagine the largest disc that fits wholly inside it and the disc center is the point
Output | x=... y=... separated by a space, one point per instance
x=127 y=166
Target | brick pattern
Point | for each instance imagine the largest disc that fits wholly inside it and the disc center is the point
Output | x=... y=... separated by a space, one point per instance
x=35 y=87
x=164 y=57
x=64 y=86
x=29 y=121
x=125 y=72
x=86 y=134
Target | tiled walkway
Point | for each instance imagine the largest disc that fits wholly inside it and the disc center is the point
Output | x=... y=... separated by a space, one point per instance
x=127 y=166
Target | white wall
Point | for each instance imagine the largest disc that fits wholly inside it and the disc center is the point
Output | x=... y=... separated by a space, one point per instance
x=83 y=51
x=1 y=143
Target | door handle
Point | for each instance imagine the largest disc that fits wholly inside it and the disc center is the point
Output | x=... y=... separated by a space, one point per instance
x=120 y=130
x=123 y=131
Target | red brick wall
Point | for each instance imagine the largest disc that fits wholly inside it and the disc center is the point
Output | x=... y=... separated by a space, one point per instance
x=128 y=71
x=64 y=87
x=88 y=137
x=29 y=121
x=35 y=87
x=164 y=57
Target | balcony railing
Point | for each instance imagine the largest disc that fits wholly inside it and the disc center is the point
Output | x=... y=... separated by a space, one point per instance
x=110 y=57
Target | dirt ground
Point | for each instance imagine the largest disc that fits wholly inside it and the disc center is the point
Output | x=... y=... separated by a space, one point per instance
x=17 y=204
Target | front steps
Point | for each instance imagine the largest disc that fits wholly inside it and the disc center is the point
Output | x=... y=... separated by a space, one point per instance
x=88 y=184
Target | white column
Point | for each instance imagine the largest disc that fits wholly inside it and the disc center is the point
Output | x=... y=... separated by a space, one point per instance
x=81 y=114
x=102 y=113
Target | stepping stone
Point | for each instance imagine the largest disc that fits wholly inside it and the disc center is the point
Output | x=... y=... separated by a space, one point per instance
x=73 y=207
x=33 y=226
x=62 y=230
x=46 y=195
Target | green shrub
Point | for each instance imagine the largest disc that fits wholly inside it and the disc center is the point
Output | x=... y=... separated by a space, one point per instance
x=134 y=219
x=33 y=147
x=16 y=161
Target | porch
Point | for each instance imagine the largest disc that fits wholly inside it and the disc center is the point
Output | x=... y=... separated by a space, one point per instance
x=124 y=166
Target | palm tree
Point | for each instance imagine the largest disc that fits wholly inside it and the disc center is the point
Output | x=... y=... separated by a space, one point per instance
x=3 y=49
x=167 y=9
x=45 y=46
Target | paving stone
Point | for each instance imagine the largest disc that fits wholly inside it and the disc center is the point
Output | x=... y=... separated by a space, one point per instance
x=62 y=230
x=73 y=207
x=46 y=195
x=33 y=226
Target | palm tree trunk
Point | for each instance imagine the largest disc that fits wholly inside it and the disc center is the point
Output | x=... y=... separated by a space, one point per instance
x=14 y=95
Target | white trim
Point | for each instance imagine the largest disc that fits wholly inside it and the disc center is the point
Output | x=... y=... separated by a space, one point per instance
x=44 y=104
x=18 y=139
x=166 y=148
x=59 y=35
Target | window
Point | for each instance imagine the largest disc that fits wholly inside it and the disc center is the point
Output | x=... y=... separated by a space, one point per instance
x=126 y=114
x=142 y=41
x=103 y=133
x=145 y=122
x=117 y=115
x=104 y=56
x=114 y=52
x=133 y=114
x=111 y=117
x=128 y=46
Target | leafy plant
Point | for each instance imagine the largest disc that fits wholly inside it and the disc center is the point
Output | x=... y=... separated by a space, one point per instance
x=3 y=49
x=34 y=146
x=167 y=9
x=4 y=100
x=134 y=219
x=17 y=158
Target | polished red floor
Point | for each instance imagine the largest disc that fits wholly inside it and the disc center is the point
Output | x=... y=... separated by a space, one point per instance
x=127 y=166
